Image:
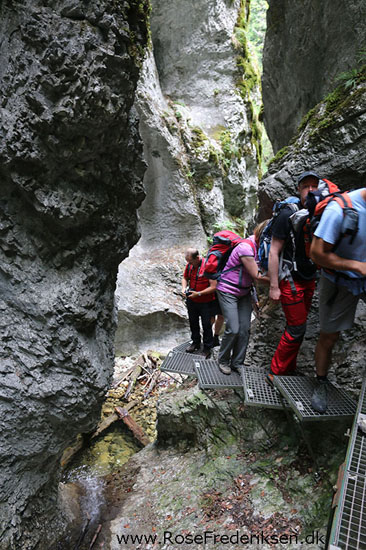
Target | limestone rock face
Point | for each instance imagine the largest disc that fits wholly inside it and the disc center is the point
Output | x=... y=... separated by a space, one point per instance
x=332 y=142
x=71 y=180
x=197 y=129
x=308 y=44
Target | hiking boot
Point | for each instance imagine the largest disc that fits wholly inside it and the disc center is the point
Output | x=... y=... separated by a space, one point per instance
x=319 y=399
x=193 y=347
x=207 y=353
x=225 y=369
x=216 y=341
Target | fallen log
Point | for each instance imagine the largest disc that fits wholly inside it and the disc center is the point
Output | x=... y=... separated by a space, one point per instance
x=123 y=377
x=99 y=528
x=102 y=426
x=153 y=383
x=136 y=372
x=71 y=451
x=132 y=425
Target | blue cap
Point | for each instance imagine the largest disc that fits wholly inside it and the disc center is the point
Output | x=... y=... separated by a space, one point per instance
x=307 y=175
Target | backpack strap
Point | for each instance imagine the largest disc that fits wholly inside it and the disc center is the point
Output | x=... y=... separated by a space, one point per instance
x=197 y=273
x=240 y=267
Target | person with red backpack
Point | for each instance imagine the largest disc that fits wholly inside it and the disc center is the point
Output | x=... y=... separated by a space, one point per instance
x=200 y=293
x=292 y=279
x=233 y=289
x=339 y=247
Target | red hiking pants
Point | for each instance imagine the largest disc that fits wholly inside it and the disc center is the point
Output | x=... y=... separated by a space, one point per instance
x=296 y=308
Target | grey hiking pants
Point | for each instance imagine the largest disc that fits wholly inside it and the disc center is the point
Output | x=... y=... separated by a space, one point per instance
x=237 y=312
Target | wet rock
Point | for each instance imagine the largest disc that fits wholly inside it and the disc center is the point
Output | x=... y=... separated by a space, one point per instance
x=71 y=172
x=224 y=484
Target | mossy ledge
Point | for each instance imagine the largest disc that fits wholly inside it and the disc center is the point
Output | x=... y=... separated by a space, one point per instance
x=249 y=77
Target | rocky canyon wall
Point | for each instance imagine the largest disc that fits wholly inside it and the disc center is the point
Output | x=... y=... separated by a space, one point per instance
x=71 y=172
x=201 y=144
x=308 y=45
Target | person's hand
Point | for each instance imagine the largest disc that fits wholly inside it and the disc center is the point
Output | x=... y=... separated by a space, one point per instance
x=183 y=294
x=275 y=294
x=193 y=294
x=362 y=269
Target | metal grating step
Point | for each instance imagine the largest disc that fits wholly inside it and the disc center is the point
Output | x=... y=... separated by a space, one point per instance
x=209 y=375
x=257 y=392
x=182 y=348
x=297 y=390
x=180 y=363
x=357 y=456
x=351 y=527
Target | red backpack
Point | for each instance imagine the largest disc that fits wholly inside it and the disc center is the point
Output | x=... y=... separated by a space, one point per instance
x=316 y=204
x=222 y=246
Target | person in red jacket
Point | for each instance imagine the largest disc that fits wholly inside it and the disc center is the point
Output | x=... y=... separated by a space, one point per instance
x=200 y=292
x=295 y=291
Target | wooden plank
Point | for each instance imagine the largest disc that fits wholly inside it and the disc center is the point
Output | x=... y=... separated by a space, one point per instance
x=71 y=451
x=136 y=372
x=153 y=382
x=123 y=377
x=102 y=426
x=133 y=426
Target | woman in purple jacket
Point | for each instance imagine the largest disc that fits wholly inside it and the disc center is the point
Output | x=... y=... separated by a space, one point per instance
x=234 y=294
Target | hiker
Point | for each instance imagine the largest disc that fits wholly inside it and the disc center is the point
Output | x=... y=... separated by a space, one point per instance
x=342 y=282
x=294 y=286
x=234 y=294
x=200 y=293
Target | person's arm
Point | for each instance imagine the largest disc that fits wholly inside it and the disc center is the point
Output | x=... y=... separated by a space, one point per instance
x=273 y=263
x=185 y=283
x=209 y=290
x=252 y=268
x=321 y=253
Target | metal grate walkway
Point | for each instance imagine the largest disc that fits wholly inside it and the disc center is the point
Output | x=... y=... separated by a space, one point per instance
x=182 y=348
x=349 y=523
x=257 y=391
x=180 y=363
x=297 y=390
x=209 y=375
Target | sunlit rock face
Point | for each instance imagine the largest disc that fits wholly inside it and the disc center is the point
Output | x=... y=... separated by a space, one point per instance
x=71 y=180
x=308 y=45
x=197 y=130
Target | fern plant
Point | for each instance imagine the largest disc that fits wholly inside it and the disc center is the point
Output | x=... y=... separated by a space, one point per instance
x=348 y=78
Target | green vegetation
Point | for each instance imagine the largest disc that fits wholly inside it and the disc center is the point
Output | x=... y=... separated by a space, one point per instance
x=199 y=137
x=257 y=27
x=206 y=182
x=229 y=149
x=249 y=78
x=280 y=154
x=336 y=103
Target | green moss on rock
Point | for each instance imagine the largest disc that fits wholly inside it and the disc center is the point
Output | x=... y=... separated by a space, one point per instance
x=335 y=105
x=206 y=182
x=280 y=154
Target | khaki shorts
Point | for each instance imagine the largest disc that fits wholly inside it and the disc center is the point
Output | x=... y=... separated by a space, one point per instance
x=340 y=314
